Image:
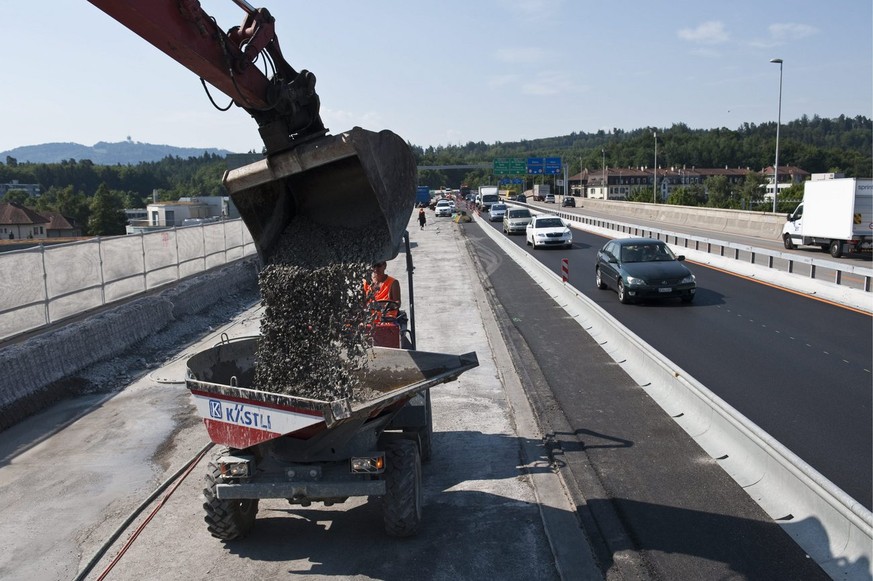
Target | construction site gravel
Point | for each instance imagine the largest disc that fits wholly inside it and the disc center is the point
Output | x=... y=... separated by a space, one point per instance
x=314 y=333
x=489 y=492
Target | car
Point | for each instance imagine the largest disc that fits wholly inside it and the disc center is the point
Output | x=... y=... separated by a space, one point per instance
x=568 y=202
x=521 y=198
x=548 y=230
x=443 y=208
x=549 y=199
x=516 y=220
x=496 y=212
x=643 y=268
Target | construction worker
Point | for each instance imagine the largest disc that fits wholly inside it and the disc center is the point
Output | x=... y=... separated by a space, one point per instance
x=385 y=291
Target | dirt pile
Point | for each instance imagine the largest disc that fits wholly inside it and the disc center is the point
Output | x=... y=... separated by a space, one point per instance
x=313 y=334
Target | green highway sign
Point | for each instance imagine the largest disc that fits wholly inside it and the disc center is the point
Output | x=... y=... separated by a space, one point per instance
x=510 y=166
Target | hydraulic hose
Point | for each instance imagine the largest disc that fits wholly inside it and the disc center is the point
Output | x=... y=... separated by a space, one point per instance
x=139 y=509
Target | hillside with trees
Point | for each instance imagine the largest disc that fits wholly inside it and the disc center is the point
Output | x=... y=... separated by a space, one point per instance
x=81 y=189
x=842 y=145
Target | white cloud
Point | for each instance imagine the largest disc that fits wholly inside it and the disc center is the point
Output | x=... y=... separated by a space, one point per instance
x=496 y=82
x=549 y=83
x=711 y=32
x=340 y=120
x=521 y=55
x=783 y=33
x=791 y=31
x=706 y=52
x=533 y=10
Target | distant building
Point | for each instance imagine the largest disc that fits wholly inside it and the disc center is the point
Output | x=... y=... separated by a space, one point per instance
x=788 y=176
x=618 y=183
x=20 y=223
x=60 y=226
x=35 y=190
x=185 y=212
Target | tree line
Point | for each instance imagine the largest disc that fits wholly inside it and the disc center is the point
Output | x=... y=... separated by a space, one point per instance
x=95 y=196
x=817 y=145
x=81 y=190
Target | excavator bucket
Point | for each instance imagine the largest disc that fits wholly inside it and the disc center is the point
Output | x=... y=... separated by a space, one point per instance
x=359 y=185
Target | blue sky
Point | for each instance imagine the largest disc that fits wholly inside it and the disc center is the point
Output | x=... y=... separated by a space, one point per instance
x=449 y=72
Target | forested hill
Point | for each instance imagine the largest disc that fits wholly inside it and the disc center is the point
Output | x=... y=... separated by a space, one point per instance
x=103 y=153
x=842 y=144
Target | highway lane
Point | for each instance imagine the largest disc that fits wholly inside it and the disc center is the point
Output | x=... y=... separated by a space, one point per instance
x=797 y=367
x=654 y=505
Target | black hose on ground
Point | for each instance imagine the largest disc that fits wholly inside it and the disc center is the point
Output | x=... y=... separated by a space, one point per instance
x=105 y=547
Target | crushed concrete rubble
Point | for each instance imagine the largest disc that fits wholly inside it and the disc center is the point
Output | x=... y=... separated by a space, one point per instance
x=314 y=341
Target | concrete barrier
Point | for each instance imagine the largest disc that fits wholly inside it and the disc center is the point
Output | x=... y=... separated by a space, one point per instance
x=763 y=224
x=34 y=371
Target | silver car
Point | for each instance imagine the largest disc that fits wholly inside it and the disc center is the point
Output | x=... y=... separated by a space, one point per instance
x=496 y=212
x=516 y=220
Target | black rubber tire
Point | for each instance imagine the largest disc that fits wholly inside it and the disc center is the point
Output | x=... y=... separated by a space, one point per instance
x=836 y=248
x=226 y=519
x=597 y=280
x=623 y=297
x=786 y=240
x=687 y=299
x=401 y=505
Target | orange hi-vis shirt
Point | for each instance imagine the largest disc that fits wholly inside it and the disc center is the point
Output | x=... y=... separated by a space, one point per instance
x=383 y=294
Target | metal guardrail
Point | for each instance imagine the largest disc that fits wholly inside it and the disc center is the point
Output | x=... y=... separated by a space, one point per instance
x=848 y=275
x=43 y=285
x=833 y=528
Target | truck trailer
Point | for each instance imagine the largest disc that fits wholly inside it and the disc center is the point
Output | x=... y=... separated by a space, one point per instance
x=835 y=215
x=540 y=191
x=422 y=196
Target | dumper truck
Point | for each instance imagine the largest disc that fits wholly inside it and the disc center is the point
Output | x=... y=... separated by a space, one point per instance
x=835 y=215
x=272 y=444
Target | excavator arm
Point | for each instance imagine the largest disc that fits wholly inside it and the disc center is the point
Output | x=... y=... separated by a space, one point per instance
x=285 y=105
x=359 y=182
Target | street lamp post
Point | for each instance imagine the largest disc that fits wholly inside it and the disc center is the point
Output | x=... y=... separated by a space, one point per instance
x=778 y=123
x=603 y=187
x=655 y=174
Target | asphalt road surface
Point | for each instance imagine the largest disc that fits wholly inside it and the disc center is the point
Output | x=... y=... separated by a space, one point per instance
x=797 y=367
x=655 y=503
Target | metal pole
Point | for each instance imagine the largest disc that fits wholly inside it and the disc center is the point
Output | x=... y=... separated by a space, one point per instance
x=603 y=187
x=655 y=180
x=778 y=123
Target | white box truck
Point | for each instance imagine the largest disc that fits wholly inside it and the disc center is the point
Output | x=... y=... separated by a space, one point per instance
x=835 y=214
x=487 y=195
x=540 y=191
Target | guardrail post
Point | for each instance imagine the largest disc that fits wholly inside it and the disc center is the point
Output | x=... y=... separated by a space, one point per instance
x=45 y=288
x=102 y=274
x=811 y=271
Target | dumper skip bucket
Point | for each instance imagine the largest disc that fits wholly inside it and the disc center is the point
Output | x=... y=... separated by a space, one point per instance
x=359 y=185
